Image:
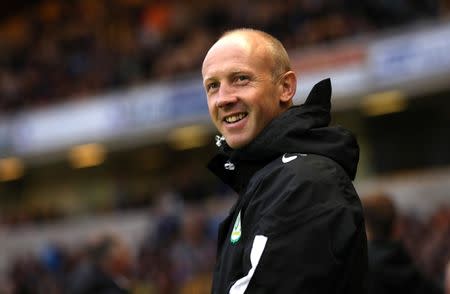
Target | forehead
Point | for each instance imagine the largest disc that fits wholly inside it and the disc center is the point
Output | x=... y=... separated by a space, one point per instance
x=234 y=53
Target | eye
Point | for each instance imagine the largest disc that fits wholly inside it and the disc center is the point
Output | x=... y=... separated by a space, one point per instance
x=211 y=86
x=241 y=79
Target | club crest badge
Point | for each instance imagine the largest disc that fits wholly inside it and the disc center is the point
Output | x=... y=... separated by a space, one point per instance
x=236 y=233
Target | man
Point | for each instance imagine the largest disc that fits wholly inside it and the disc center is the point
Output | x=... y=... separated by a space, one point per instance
x=107 y=269
x=297 y=226
x=391 y=269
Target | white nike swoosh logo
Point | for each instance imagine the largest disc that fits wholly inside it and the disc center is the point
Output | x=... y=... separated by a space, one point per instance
x=286 y=159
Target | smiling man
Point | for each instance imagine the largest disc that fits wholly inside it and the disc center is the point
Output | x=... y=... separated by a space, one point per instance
x=246 y=85
x=297 y=226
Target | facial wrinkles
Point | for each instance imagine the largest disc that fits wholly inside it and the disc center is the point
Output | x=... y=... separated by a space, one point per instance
x=237 y=54
x=255 y=70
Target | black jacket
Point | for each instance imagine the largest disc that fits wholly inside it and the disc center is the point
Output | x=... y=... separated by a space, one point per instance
x=297 y=226
x=392 y=271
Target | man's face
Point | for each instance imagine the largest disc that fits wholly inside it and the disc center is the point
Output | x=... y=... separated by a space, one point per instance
x=242 y=95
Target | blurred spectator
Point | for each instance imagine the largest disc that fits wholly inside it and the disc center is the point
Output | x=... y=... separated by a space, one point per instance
x=28 y=275
x=179 y=254
x=193 y=254
x=391 y=269
x=107 y=268
x=435 y=251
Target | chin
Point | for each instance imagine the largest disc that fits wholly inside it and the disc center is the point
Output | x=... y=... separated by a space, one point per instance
x=237 y=143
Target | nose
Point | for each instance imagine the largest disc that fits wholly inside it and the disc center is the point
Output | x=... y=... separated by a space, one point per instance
x=226 y=96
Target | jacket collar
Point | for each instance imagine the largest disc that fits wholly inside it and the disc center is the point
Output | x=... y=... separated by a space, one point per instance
x=301 y=128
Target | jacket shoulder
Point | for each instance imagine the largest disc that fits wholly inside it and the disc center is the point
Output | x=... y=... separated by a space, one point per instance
x=302 y=183
x=302 y=168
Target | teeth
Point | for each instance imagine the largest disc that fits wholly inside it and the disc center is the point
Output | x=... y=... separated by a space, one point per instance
x=235 y=118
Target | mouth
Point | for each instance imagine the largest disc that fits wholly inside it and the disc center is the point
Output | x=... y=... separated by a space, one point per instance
x=230 y=119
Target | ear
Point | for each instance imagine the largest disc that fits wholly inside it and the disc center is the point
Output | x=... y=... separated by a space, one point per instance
x=288 y=86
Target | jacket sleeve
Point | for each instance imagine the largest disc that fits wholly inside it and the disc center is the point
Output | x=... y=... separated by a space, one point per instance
x=308 y=237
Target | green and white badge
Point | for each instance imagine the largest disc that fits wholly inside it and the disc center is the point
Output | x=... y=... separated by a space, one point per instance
x=236 y=233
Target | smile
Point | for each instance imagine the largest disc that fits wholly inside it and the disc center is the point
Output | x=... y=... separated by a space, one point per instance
x=235 y=117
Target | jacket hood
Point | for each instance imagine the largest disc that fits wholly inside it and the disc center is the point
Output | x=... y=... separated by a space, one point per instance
x=301 y=129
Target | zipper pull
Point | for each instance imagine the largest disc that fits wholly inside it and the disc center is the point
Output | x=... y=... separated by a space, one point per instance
x=219 y=140
x=229 y=165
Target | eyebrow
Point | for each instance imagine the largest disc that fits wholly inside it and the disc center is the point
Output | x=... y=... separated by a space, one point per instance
x=231 y=73
x=209 y=80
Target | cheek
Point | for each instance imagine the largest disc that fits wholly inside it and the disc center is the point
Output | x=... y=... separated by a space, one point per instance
x=211 y=109
x=268 y=105
x=267 y=112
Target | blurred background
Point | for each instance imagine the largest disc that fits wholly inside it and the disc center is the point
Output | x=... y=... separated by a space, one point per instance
x=105 y=134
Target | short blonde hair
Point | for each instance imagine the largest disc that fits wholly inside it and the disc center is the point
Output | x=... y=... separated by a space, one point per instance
x=280 y=58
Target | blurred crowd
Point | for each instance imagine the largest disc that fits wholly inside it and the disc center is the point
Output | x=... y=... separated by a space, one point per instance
x=428 y=242
x=54 y=50
x=177 y=255
x=406 y=255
